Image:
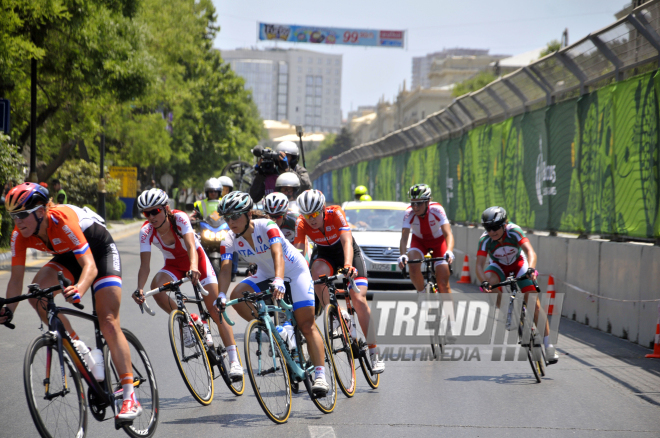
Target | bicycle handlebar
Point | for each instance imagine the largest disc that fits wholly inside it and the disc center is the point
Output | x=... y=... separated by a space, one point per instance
x=169 y=286
x=341 y=274
x=509 y=281
x=253 y=297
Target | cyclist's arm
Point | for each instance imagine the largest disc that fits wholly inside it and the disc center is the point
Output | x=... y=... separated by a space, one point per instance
x=15 y=286
x=346 y=239
x=189 y=239
x=278 y=259
x=143 y=273
x=481 y=272
x=449 y=236
x=89 y=273
x=531 y=255
x=225 y=275
x=403 y=245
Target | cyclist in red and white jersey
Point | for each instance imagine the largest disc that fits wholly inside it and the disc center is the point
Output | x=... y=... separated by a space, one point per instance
x=86 y=254
x=431 y=231
x=170 y=231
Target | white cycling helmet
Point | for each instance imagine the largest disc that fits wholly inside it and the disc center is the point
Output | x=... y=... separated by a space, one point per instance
x=212 y=184
x=311 y=201
x=225 y=181
x=276 y=203
x=287 y=179
x=288 y=147
x=152 y=198
x=419 y=192
x=235 y=202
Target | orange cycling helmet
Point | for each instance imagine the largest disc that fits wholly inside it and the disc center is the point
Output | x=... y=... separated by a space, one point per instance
x=25 y=196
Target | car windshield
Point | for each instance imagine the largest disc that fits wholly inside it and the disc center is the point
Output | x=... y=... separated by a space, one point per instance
x=375 y=219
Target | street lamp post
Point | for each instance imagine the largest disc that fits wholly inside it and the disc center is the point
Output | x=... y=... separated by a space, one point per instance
x=299 y=131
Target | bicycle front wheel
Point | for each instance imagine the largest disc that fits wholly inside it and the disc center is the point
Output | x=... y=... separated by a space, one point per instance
x=191 y=359
x=268 y=372
x=144 y=385
x=237 y=387
x=56 y=412
x=339 y=342
x=361 y=350
x=436 y=347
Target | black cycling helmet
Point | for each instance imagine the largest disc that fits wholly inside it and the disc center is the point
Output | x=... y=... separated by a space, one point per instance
x=493 y=218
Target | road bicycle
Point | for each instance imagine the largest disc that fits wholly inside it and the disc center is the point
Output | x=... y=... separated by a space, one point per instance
x=272 y=366
x=431 y=287
x=345 y=336
x=528 y=335
x=196 y=362
x=57 y=404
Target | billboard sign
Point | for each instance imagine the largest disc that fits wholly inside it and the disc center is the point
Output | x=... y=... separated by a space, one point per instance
x=331 y=35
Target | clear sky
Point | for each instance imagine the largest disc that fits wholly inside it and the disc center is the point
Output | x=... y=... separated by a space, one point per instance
x=505 y=27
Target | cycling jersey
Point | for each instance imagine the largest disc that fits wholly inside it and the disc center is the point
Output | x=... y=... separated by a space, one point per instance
x=177 y=260
x=334 y=224
x=506 y=255
x=72 y=233
x=429 y=226
x=288 y=227
x=266 y=233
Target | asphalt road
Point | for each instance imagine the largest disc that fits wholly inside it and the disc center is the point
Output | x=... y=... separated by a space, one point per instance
x=602 y=387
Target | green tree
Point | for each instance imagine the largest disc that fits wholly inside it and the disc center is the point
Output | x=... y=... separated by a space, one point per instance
x=551 y=47
x=475 y=83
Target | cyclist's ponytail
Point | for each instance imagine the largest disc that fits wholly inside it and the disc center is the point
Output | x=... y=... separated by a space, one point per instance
x=172 y=220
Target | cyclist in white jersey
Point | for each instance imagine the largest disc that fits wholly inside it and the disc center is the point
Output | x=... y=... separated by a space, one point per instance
x=261 y=242
x=171 y=232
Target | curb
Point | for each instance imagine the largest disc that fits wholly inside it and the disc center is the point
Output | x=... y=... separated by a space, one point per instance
x=117 y=231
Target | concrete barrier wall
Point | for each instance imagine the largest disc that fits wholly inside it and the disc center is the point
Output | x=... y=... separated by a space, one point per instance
x=615 y=271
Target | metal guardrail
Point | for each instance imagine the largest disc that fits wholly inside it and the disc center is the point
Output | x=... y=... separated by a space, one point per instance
x=610 y=54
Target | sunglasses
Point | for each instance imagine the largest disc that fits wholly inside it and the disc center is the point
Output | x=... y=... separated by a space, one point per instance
x=232 y=217
x=492 y=227
x=25 y=213
x=276 y=216
x=153 y=212
x=418 y=203
x=313 y=215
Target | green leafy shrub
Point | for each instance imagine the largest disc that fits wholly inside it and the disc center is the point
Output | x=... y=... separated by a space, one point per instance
x=80 y=182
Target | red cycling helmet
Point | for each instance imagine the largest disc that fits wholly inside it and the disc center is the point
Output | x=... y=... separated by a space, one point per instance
x=25 y=197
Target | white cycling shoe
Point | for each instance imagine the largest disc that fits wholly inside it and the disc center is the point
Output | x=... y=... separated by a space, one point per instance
x=377 y=365
x=235 y=370
x=320 y=387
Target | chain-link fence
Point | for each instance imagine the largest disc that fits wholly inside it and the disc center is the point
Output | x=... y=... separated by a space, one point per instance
x=621 y=50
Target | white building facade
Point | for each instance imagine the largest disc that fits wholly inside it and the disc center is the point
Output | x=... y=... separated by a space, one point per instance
x=299 y=86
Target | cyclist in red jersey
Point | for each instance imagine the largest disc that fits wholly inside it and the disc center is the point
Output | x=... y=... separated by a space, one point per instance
x=86 y=254
x=335 y=247
x=171 y=232
x=431 y=231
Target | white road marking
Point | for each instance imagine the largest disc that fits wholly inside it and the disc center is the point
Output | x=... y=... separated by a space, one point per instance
x=321 y=432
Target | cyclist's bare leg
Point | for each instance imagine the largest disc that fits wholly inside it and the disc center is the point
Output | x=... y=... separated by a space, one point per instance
x=305 y=322
x=493 y=278
x=359 y=303
x=226 y=333
x=47 y=277
x=243 y=309
x=108 y=300
x=320 y=267
x=442 y=278
x=162 y=299
x=415 y=270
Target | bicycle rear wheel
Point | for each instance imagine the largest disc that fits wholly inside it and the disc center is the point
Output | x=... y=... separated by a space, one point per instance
x=192 y=361
x=144 y=385
x=535 y=356
x=361 y=350
x=268 y=372
x=339 y=342
x=64 y=415
x=324 y=404
x=237 y=387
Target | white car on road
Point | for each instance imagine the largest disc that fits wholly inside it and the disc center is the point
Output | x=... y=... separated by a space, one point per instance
x=376 y=227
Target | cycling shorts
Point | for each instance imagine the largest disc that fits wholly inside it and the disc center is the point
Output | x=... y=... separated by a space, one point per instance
x=301 y=286
x=106 y=257
x=177 y=268
x=421 y=246
x=517 y=269
x=333 y=257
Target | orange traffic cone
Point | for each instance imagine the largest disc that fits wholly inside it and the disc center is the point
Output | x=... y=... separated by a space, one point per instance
x=656 y=346
x=465 y=275
x=551 y=291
